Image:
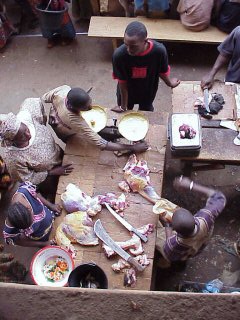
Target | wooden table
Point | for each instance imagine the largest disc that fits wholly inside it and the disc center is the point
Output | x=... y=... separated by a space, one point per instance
x=185 y=95
x=97 y=172
x=158 y=29
x=217 y=142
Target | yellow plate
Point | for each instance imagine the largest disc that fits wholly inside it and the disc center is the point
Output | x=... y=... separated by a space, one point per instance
x=96 y=118
x=133 y=126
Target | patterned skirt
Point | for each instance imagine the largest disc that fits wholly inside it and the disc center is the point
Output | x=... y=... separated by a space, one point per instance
x=6 y=29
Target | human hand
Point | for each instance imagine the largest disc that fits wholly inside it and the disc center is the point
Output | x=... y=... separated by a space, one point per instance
x=57 y=209
x=164 y=221
x=182 y=183
x=64 y=170
x=118 y=109
x=140 y=147
x=174 y=82
x=207 y=82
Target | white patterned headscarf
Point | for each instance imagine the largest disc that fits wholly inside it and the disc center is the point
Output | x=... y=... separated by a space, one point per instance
x=9 y=126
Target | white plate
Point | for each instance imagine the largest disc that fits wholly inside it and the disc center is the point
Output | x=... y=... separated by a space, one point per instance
x=133 y=126
x=193 y=121
x=96 y=118
x=39 y=260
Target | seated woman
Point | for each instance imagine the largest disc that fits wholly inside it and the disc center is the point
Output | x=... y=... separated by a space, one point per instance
x=30 y=218
x=29 y=149
x=66 y=31
x=195 y=15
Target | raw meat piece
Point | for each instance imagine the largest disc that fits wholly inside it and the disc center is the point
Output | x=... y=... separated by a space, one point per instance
x=143 y=260
x=121 y=264
x=124 y=186
x=187 y=132
x=136 y=174
x=146 y=229
x=118 y=204
x=130 y=278
x=134 y=245
x=74 y=199
x=76 y=227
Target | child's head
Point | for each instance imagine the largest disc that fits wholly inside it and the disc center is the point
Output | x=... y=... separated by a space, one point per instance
x=19 y=216
x=183 y=222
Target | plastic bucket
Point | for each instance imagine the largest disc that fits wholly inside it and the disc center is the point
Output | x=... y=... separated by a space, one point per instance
x=88 y=275
x=51 y=20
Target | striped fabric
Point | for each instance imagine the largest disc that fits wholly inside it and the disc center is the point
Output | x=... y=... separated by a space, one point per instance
x=177 y=248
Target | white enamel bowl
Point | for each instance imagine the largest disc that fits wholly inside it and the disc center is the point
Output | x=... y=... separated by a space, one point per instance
x=39 y=260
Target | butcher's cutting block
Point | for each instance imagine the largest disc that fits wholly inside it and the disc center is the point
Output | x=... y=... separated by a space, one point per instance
x=187 y=92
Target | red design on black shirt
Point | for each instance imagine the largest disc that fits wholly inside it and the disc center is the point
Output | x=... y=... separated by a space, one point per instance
x=139 y=72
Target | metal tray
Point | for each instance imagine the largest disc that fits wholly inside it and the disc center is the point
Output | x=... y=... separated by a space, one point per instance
x=184 y=145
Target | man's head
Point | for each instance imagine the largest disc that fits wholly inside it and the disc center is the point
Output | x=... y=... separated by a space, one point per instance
x=19 y=216
x=183 y=222
x=78 y=100
x=135 y=38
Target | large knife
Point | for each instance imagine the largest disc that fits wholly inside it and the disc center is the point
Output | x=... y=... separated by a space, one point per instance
x=126 y=224
x=104 y=236
x=206 y=99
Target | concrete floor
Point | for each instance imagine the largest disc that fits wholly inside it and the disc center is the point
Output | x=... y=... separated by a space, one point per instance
x=29 y=69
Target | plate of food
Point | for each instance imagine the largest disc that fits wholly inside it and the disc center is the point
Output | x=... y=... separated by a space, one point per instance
x=96 y=118
x=51 y=266
x=133 y=126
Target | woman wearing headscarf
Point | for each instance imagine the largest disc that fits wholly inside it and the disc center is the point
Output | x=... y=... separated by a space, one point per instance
x=29 y=149
x=30 y=218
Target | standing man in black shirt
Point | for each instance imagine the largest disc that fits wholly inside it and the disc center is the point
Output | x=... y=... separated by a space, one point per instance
x=137 y=65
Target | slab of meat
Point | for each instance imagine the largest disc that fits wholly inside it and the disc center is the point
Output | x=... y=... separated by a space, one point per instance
x=136 y=174
x=187 y=132
x=118 y=204
x=76 y=227
x=134 y=245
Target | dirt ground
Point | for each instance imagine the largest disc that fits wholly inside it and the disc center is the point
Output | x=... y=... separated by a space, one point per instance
x=29 y=69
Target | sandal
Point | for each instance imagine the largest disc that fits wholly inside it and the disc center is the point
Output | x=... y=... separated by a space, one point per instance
x=118 y=109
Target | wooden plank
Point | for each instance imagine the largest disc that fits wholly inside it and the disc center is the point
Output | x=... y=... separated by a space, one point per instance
x=160 y=29
x=185 y=95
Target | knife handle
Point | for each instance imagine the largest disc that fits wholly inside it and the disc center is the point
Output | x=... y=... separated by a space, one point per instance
x=134 y=262
x=140 y=235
